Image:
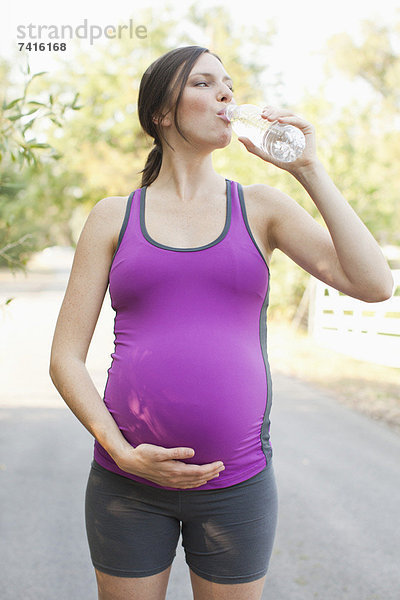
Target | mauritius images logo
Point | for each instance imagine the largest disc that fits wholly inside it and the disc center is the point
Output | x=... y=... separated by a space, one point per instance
x=84 y=31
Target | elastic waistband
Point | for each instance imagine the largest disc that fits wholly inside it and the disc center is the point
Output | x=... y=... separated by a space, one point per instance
x=247 y=482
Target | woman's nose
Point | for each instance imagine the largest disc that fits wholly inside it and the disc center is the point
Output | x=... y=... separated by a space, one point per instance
x=225 y=95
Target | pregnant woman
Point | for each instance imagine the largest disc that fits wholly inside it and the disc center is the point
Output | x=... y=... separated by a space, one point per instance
x=182 y=432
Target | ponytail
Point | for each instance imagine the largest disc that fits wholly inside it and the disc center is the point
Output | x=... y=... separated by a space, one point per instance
x=152 y=166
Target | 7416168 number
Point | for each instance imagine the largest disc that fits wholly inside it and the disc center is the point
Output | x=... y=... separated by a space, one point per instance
x=41 y=46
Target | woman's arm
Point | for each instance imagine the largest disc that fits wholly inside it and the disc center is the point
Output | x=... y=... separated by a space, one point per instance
x=346 y=255
x=75 y=325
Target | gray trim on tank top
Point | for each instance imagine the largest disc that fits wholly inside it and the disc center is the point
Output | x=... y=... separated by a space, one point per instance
x=124 y=223
x=121 y=235
x=213 y=243
x=265 y=428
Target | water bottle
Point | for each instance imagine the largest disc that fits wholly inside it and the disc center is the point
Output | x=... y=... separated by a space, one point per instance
x=282 y=142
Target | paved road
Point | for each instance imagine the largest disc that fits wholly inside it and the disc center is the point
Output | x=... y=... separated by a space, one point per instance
x=338 y=477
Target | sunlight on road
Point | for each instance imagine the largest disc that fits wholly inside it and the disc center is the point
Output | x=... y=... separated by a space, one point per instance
x=27 y=326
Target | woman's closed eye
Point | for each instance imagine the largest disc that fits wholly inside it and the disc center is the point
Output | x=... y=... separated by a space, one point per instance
x=205 y=83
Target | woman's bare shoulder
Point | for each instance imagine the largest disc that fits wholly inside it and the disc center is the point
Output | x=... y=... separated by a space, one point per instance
x=260 y=192
x=262 y=201
x=266 y=202
x=111 y=211
x=264 y=205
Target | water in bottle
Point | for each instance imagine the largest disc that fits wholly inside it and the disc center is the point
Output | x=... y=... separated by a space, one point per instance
x=281 y=141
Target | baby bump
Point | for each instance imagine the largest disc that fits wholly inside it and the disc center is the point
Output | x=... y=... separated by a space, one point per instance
x=218 y=415
x=186 y=395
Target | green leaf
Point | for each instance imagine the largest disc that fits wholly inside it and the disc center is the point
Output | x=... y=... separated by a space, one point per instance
x=13 y=103
x=75 y=99
x=39 y=145
x=38 y=74
x=27 y=126
x=30 y=112
x=15 y=117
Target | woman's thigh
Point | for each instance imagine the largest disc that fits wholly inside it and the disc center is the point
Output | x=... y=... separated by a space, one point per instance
x=209 y=590
x=131 y=529
x=111 y=587
x=228 y=536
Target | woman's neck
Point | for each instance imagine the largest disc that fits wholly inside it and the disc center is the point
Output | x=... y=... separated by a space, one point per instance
x=186 y=178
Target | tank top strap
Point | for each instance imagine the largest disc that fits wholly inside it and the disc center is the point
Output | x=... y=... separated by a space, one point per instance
x=235 y=200
x=129 y=220
x=239 y=223
x=240 y=226
x=135 y=214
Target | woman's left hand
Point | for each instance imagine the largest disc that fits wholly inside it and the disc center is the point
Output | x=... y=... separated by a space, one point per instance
x=307 y=158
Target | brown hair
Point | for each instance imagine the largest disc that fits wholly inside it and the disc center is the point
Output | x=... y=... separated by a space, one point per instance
x=156 y=95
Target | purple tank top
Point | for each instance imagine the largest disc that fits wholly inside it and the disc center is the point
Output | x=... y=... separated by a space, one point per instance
x=190 y=365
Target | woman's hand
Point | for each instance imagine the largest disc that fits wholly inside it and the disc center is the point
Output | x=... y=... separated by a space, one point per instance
x=309 y=156
x=164 y=466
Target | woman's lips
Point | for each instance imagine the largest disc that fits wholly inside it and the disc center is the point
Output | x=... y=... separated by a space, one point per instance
x=223 y=116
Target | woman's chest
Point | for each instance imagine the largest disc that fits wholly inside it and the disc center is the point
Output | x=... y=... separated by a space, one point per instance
x=193 y=226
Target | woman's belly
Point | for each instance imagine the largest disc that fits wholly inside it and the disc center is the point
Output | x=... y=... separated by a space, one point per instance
x=186 y=394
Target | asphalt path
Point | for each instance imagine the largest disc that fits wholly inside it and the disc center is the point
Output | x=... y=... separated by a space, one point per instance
x=338 y=476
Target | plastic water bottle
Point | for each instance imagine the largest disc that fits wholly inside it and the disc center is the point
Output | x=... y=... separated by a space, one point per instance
x=281 y=141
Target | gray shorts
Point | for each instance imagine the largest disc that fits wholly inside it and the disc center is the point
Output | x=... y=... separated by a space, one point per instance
x=227 y=534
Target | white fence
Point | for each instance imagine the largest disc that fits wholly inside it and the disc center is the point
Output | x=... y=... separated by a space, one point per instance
x=365 y=330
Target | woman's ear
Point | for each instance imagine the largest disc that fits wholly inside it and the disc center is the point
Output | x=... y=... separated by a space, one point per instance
x=163 y=121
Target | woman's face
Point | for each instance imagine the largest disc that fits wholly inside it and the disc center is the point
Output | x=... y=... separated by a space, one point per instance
x=207 y=91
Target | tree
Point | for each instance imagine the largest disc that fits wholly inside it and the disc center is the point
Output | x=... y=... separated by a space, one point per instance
x=21 y=158
x=368 y=131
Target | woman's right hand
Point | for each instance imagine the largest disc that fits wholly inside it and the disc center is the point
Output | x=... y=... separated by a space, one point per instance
x=164 y=466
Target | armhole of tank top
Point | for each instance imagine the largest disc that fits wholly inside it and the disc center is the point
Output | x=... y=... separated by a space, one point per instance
x=246 y=222
x=124 y=225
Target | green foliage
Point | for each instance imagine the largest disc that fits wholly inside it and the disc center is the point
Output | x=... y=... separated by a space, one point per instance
x=17 y=122
x=23 y=222
x=375 y=60
x=364 y=149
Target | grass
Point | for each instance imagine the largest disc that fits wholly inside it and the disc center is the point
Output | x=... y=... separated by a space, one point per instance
x=369 y=388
